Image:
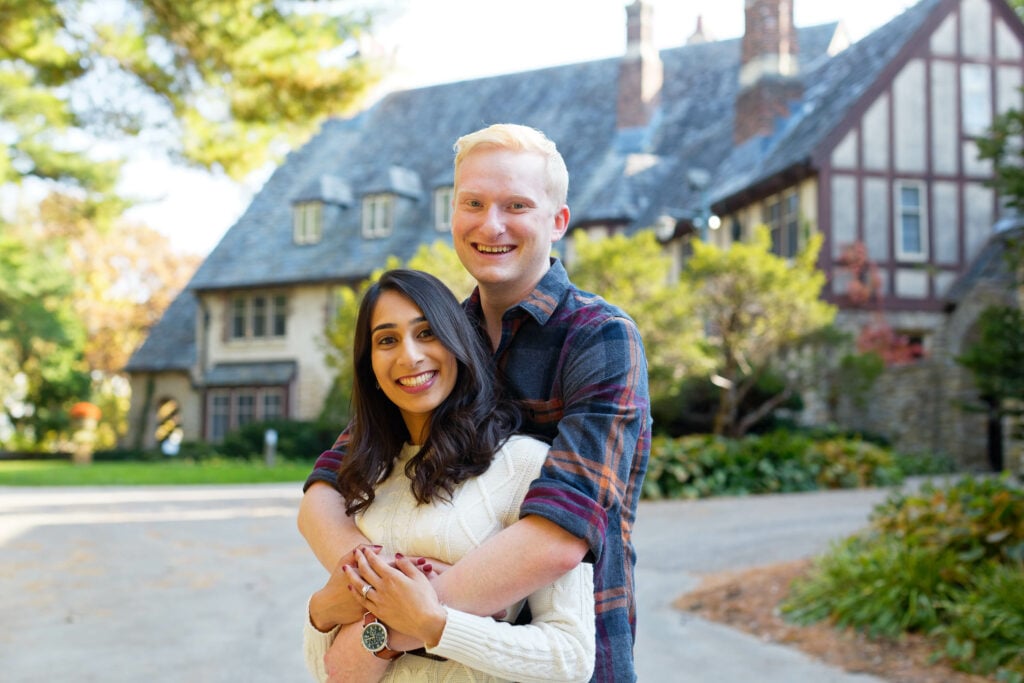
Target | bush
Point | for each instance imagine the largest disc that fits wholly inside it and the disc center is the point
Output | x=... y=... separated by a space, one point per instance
x=876 y=585
x=977 y=519
x=945 y=562
x=295 y=440
x=778 y=462
x=985 y=631
x=852 y=463
x=914 y=464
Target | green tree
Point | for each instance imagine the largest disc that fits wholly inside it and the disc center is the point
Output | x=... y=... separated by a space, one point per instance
x=635 y=274
x=218 y=83
x=759 y=309
x=41 y=342
x=441 y=261
x=996 y=359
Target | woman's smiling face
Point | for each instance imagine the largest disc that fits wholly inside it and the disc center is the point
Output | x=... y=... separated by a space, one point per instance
x=413 y=368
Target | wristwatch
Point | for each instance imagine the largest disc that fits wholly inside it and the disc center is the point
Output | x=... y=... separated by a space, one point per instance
x=375 y=638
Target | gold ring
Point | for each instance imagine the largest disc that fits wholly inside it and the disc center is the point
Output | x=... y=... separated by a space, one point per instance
x=366 y=589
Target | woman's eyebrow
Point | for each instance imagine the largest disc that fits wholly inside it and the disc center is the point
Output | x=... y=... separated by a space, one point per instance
x=391 y=326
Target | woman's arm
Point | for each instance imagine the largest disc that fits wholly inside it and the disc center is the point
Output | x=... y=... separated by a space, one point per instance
x=327 y=528
x=558 y=645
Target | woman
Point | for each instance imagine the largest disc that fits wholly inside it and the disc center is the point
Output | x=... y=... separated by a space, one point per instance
x=433 y=470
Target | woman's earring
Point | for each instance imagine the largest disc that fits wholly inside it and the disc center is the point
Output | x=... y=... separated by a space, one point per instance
x=377 y=384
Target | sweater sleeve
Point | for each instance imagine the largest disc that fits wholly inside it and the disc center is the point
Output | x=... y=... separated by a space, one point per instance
x=315 y=645
x=558 y=645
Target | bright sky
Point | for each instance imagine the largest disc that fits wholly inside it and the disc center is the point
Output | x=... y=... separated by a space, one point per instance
x=438 y=41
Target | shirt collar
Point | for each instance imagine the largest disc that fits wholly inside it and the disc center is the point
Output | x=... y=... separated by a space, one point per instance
x=541 y=302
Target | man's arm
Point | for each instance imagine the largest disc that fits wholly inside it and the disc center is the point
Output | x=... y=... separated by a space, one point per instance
x=509 y=566
x=328 y=530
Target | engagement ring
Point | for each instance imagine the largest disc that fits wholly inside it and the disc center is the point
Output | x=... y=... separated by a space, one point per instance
x=366 y=589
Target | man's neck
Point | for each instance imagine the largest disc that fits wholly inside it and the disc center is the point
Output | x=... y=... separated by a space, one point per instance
x=494 y=301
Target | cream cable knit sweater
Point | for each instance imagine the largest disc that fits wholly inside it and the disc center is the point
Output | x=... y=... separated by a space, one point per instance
x=558 y=645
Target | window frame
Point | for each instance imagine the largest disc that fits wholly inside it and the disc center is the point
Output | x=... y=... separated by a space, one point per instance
x=257 y=316
x=230 y=408
x=901 y=211
x=307 y=222
x=782 y=216
x=443 y=197
x=378 y=215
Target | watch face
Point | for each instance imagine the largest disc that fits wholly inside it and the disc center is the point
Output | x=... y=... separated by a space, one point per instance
x=375 y=637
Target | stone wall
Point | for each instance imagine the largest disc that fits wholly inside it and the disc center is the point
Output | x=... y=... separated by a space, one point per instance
x=924 y=407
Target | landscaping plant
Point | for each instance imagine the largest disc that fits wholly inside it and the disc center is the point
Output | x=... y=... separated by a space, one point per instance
x=944 y=562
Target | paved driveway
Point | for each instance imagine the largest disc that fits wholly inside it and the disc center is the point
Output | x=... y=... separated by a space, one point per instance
x=208 y=584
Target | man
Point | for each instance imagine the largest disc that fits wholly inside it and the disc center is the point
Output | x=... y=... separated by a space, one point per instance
x=576 y=362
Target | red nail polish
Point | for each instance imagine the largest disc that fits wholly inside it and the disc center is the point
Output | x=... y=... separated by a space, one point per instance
x=399 y=556
x=428 y=567
x=422 y=560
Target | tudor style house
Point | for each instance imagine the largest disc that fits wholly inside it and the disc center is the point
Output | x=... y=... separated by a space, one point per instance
x=795 y=128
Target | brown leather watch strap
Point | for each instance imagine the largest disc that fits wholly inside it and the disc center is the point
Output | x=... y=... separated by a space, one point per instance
x=385 y=652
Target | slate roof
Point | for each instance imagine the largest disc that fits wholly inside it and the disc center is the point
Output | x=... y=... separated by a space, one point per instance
x=171 y=343
x=403 y=144
x=615 y=176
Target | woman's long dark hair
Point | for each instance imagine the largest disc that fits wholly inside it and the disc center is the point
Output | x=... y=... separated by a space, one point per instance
x=465 y=430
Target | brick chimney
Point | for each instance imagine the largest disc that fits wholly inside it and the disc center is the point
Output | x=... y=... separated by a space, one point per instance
x=768 y=80
x=640 y=71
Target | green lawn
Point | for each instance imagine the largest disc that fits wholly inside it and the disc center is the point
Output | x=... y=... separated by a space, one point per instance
x=64 y=473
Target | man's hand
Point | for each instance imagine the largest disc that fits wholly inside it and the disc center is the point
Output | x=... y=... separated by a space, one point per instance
x=334 y=603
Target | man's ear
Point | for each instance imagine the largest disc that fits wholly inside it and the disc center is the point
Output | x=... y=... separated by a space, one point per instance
x=561 y=223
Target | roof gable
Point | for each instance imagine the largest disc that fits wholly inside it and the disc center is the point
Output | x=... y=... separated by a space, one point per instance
x=832 y=92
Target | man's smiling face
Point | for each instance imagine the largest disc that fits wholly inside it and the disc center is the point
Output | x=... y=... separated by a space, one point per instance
x=504 y=220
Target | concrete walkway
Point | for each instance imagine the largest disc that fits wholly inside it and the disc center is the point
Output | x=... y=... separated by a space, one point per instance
x=208 y=584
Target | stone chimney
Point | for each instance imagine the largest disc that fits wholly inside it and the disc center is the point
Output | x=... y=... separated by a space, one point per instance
x=640 y=71
x=768 y=80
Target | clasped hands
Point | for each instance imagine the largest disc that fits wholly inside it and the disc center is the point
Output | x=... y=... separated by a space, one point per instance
x=397 y=589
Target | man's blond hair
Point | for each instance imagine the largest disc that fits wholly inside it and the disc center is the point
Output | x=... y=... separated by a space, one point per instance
x=518 y=138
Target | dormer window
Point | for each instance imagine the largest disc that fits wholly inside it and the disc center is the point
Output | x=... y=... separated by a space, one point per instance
x=443 y=209
x=307 y=222
x=378 y=215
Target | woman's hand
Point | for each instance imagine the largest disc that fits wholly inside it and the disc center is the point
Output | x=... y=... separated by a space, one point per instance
x=400 y=596
x=334 y=603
